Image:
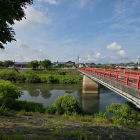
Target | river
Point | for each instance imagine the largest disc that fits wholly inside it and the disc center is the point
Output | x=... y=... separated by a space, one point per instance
x=91 y=103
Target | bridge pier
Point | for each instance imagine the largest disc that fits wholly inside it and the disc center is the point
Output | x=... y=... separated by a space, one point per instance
x=89 y=86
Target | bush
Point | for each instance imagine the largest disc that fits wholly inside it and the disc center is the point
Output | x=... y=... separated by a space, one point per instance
x=49 y=79
x=28 y=106
x=20 y=78
x=65 y=104
x=8 y=93
x=61 y=72
x=51 y=109
x=4 y=111
x=123 y=115
x=32 y=78
x=8 y=75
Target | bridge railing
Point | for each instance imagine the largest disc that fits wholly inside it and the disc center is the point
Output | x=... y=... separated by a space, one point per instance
x=126 y=77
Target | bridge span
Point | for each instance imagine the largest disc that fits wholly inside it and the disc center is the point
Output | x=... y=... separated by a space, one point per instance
x=125 y=83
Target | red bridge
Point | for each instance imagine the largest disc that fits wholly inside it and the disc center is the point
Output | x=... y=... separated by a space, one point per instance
x=124 y=82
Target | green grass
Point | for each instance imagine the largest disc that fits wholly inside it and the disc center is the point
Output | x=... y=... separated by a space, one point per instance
x=24 y=106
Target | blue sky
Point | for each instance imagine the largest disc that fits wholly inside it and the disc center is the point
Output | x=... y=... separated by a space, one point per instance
x=99 y=31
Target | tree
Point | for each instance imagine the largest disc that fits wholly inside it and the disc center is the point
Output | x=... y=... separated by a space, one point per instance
x=46 y=63
x=8 y=93
x=10 y=11
x=8 y=63
x=1 y=63
x=34 y=64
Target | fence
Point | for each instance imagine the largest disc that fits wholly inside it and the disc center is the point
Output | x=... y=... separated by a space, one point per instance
x=130 y=78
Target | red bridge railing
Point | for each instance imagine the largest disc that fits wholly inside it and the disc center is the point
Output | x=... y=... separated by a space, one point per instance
x=130 y=78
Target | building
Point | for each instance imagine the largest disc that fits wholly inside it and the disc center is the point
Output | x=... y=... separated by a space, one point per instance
x=81 y=65
x=21 y=65
x=69 y=64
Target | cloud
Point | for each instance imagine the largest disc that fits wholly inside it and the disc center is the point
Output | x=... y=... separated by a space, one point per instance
x=114 y=47
x=90 y=3
x=121 y=53
x=91 y=56
x=20 y=44
x=33 y=19
x=82 y=3
x=54 y=2
x=124 y=12
x=23 y=51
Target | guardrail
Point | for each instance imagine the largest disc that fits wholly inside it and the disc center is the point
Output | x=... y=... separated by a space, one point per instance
x=130 y=78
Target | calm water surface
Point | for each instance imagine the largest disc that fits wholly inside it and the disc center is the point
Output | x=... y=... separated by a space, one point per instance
x=92 y=103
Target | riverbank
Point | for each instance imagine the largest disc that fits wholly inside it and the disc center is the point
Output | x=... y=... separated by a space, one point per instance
x=35 y=126
x=43 y=76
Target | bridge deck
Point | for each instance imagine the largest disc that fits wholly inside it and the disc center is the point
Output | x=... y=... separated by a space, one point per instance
x=127 y=85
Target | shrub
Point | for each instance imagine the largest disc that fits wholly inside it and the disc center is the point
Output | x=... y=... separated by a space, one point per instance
x=51 y=109
x=61 y=72
x=8 y=75
x=32 y=78
x=123 y=115
x=8 y=93
x=65 y=104
x=49 y=79
x=28 y=106
x=4 y=111
x=20 y=78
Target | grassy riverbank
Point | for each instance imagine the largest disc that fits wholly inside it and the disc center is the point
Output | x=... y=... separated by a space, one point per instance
x=43 y=76
x=35 y=126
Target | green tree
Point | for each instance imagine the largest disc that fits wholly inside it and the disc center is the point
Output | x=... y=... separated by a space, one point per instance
x=8 y=63
x=34 y=64
x=46 y=63
x=1 y=63
x=8 y=93
x=10 y=11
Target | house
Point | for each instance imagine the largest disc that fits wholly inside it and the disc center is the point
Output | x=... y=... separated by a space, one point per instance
x=134 y=67
x=131 y=66
x=59 y=64
x=69 y=64
x=90 y=65
x=81 y=65
x=120 y=67
x=21 y=65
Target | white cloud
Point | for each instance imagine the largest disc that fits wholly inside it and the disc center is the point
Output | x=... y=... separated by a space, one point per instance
x=121 y=53
x=20 y=44
x=114 y=47
x=82 y=3
x=33 y=19
x=54 y=2
x=91 y=56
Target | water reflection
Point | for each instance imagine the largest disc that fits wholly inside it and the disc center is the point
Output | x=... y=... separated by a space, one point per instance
x=91 y=103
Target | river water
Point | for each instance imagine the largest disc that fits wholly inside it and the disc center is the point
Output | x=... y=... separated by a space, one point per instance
x=91 y=103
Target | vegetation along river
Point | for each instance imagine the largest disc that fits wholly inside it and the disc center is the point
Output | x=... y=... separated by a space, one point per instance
x=91 y=103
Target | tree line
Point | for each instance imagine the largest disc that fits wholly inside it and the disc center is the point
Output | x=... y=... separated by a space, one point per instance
x=33 y=64
x=36 y=64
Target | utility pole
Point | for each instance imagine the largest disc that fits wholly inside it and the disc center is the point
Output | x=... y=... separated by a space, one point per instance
x=78 y=61
x=139 y=60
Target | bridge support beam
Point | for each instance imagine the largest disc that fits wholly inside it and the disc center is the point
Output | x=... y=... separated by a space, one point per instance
x=89 y=86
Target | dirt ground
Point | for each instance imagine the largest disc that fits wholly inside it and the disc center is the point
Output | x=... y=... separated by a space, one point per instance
x=39 y=126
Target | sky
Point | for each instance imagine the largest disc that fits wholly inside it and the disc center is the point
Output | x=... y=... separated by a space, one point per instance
x=98 y=31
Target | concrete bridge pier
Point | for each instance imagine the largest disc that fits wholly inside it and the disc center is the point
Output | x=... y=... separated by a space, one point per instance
x=89 y=86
